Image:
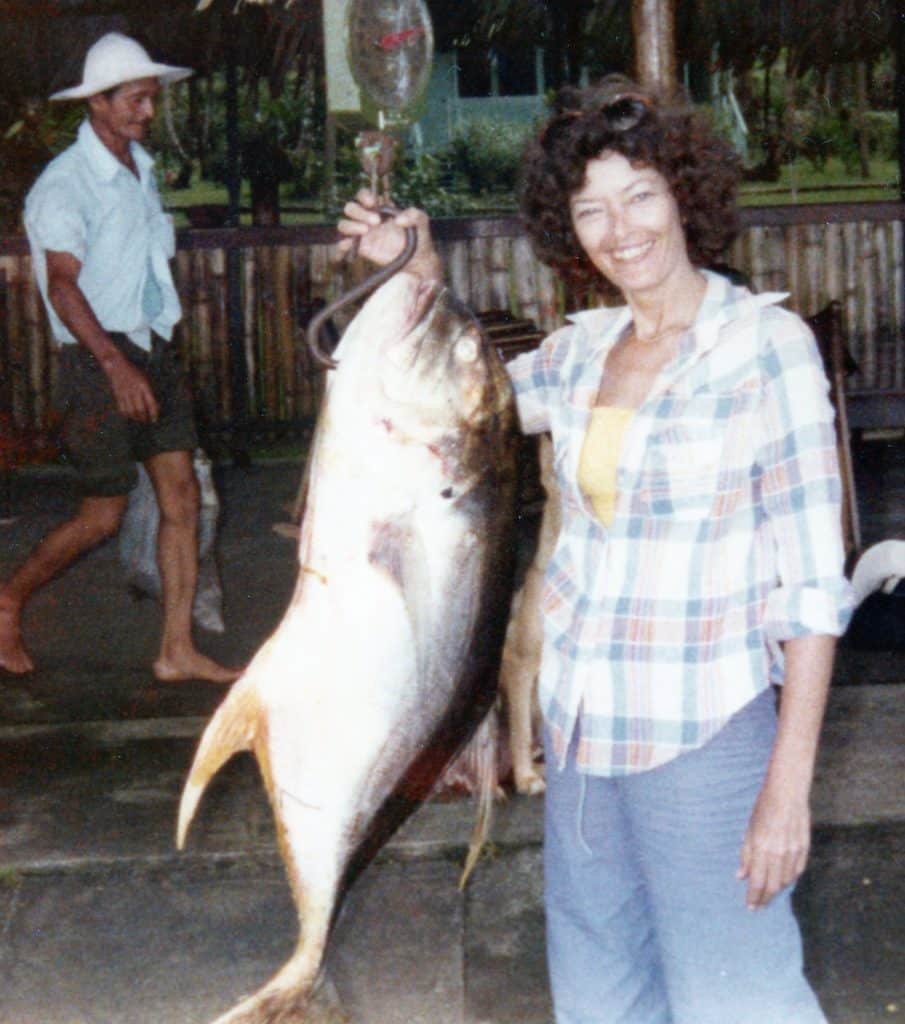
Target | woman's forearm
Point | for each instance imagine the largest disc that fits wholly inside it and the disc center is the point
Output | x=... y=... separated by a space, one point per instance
x=808 y=671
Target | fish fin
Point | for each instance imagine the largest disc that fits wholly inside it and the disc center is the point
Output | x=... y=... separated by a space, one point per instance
x=231 y=730
x=485 y=743
x=397 y=549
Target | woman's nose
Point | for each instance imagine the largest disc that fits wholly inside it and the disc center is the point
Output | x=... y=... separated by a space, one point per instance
x=618 y=222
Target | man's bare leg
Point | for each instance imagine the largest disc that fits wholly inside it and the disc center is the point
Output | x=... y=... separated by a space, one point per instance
x=96 y=519
x=174 y=481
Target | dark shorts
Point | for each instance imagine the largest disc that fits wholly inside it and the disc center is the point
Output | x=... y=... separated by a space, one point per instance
x=102 y=444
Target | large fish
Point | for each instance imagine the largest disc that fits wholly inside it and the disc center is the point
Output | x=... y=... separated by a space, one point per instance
x=387 y=657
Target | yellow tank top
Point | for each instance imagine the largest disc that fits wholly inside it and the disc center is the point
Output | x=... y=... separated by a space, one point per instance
x=600 y=458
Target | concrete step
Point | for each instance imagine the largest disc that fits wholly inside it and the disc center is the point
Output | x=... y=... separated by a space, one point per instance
x=179 y=943
x=78 y=794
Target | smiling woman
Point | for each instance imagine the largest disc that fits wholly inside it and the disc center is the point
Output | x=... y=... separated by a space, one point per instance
x=698 y=169
x=626 y=220
x=699 y=562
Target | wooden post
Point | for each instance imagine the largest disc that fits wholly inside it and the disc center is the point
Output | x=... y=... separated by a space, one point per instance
x=654 y=29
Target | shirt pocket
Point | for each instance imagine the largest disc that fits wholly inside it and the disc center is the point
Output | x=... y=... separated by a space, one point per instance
x=695 y=455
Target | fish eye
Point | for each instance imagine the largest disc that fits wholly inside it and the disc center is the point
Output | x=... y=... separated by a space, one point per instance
x=466 y=349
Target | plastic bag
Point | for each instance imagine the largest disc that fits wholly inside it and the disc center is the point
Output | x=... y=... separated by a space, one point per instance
x=138 y=544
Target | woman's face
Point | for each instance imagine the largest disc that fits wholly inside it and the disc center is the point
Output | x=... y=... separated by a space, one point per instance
x=627 y=221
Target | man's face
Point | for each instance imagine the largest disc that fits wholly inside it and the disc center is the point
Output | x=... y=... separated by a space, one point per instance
x=125 y=115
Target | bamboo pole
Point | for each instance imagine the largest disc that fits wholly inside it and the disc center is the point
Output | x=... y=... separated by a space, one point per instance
x=885 y=340
x=867 y=304
x=500 y=259
x=284 y=339
x=898 y=302
x=457 y=268
x=478 y=276
x=249 y=335
x=17 y=345
x=850 y=294
x=524 y=274
x=266 y=325
x=34 y=354
x=217 y=282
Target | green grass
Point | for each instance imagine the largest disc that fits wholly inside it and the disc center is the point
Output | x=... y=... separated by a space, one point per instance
x=798 y=183
x=203 y=192
x=801 y=183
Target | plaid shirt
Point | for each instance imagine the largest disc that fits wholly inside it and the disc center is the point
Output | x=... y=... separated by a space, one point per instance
x=726 y=538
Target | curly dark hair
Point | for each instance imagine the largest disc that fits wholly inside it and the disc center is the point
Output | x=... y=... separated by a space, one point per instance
x=617 y=115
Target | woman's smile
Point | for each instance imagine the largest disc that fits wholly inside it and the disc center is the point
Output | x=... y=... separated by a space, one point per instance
x=632 y=253
x=627 y=221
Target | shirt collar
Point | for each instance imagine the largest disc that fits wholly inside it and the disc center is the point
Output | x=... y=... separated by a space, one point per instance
x=103 y=162
x=723 y=301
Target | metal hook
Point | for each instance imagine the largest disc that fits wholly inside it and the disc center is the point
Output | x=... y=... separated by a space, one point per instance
x=358 y=291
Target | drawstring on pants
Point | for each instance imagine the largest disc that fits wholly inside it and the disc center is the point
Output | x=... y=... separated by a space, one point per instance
x=579 y=822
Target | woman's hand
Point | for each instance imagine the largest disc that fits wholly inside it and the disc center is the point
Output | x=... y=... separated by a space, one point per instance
x=381 y=240
x=777 y=843
x=776 y=846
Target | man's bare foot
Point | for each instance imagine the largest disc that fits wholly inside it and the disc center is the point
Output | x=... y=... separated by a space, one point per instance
x=179 y=668
x=13 y=656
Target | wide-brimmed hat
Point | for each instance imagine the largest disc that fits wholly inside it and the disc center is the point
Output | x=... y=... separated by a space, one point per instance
x=115 y=59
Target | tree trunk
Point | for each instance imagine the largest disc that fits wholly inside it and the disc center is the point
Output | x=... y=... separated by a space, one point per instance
x=899 y=43
x=861 y=117
x=265 y=202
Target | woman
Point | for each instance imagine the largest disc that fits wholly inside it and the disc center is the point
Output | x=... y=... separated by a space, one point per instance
x=699 y=562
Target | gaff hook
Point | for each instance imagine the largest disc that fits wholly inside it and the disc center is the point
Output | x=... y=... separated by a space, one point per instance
x=358 y=291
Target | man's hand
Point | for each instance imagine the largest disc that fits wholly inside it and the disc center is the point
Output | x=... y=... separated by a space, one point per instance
x=131 y=390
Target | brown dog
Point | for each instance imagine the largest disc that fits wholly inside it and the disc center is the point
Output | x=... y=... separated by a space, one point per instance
x=522 y=649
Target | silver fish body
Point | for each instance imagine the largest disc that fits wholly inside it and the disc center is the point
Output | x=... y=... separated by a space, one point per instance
x=386 y=659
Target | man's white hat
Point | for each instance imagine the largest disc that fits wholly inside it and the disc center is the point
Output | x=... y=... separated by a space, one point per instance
x=115 y=59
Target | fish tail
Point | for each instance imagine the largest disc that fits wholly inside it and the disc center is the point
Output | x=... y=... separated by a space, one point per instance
x=485 y=755
x=232 y=729
x=289 y=993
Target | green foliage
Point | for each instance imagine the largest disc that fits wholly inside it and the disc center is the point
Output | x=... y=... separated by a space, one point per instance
x=486 y=155
x=882 y=133
x=823 y=133
x=423 y=181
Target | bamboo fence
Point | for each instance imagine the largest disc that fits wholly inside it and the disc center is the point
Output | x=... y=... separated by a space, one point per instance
x=852 y=253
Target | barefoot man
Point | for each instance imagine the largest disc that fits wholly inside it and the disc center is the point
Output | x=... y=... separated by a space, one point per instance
x=101 y=246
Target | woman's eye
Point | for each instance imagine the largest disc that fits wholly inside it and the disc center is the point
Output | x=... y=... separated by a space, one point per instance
x=640 y=197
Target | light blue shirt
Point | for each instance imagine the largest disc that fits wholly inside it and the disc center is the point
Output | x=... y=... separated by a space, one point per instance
x=88 y=204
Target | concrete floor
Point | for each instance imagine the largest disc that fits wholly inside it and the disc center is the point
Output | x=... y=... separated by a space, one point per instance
x=103 y=922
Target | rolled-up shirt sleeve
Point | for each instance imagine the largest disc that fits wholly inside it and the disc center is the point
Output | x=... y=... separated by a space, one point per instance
x=535 y=380
x=54 y=223
x=801 y=487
